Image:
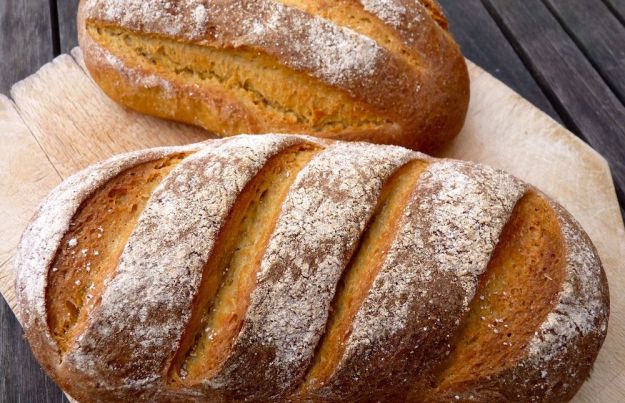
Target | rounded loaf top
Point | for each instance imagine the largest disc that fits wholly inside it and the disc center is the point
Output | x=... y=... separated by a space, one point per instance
x=379 y=71
x=284 y=267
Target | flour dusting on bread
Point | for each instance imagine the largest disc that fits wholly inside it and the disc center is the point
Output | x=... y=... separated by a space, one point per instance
x=418 y=91
x=148 y=302
x=580 y=310
x=322 y=219
x=414 y=307
x=467 y=215
x=447 y=234
x=135 y=78
x=389 y=11
x=335 y=54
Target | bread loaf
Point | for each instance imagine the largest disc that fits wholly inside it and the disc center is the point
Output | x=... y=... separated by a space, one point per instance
x=383 y=71
x=283 y=267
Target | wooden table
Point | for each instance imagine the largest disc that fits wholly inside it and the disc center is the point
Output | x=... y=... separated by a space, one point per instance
x=567 y=57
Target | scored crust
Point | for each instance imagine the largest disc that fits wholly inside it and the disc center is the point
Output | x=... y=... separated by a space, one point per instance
x=161 y=266
x=42 y=238
x=400 y=335
x=322 y=219
x=389 y=100
x=429 y=276
x=560 y=355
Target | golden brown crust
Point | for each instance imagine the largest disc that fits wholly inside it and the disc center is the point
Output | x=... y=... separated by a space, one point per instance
x=51 y=223
x=413 y=309
x=322 y=219
x=417 y=298
x=416 y=96
x=152 y=284
x=561 y=353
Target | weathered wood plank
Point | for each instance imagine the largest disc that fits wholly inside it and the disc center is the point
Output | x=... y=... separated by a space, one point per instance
x=87 y=116
x=483 y=42
x=26 y=178
x=599 y=34
x=22 y=379
x=579 y=93
x=66 y=10
x=617 y=7
x=25 y=39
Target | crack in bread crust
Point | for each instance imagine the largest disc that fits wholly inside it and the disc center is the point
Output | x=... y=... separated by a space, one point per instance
x=374 y=19
x=417 y=298
x=517 y=291
x=147 y=304
x=91 y=248
x=297 y=39
x=321 y=221
x=42 y=239
x=559 y=355
x=300 y=101
x=230 y=274
x=359 y=275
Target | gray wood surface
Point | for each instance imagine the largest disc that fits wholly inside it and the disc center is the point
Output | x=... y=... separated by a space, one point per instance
x=483 y=42
x=66 y=10
x=25 y=39
x=21 y=377
x=581 y=97
x=602 y=42
x=617 y=7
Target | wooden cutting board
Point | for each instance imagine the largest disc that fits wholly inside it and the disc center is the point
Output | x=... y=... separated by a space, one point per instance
x=59 y=122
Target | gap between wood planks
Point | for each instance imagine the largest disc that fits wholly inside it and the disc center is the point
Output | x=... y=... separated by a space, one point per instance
x=54 y=18
x=483 y=42
x=64 y=36
x=560 y=110
x=618 y=9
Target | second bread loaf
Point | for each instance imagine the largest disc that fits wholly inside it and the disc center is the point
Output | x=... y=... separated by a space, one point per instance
x=282 y=267
x=379 y=71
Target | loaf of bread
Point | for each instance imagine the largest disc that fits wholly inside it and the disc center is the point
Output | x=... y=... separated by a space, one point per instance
x=284 y=267
x=383 y=71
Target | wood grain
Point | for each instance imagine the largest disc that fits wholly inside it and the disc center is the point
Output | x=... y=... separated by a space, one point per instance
x=25 y=39
x=483 y=42
x=600 y=36
x=27 y=176
x=502 y=129
x=581 y=97
x=88 y=126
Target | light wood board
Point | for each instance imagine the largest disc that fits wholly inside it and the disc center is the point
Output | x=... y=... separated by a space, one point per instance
x=59 y=122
